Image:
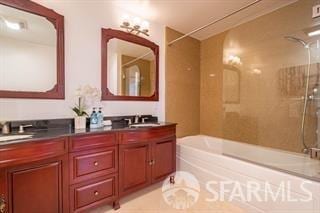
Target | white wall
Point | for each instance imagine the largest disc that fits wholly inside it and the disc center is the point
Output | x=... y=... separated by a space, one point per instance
x=27 y=66
x=83 y=22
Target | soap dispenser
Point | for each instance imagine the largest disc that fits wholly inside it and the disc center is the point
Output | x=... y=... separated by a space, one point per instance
x=100 y=117
x=94 y=119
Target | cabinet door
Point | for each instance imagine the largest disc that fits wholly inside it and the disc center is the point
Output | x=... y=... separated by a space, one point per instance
x=3 y=191
x=134 y=167
x=164 y=159
x=38 y=188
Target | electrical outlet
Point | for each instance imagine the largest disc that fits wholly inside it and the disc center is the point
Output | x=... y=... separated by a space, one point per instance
x=316 y=11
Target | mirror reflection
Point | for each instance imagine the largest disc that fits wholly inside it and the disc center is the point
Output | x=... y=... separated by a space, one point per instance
x=28 y=60
x=131 y=69
x=231 y=85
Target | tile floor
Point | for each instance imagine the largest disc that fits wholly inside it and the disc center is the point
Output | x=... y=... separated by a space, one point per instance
x=150 y=200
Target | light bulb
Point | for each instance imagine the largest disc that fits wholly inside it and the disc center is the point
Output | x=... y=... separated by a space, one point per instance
x=13 y=25
x=136 y=21
x=125 y=18
x=145 y=25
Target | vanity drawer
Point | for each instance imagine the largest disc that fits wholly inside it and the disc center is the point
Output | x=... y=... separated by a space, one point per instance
x=94 y=163
x=85 y=142
x=26 y=152
x=92 y=193
x=152 y=134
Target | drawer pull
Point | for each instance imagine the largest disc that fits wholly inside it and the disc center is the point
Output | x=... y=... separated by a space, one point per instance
x=152 y=162
x=96 y=193
x=95 y=163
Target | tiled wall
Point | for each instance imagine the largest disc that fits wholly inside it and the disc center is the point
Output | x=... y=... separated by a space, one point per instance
x=271 y=77
x=267 y=114
x=183 y=83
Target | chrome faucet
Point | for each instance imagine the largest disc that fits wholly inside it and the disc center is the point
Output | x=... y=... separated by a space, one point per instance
x=5 y=127
x=136 y=119
x=144 y=119
x=21 y=128
x=314 y=153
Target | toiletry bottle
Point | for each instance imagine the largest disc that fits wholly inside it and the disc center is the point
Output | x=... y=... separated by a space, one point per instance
x=94 y=119
x=100 y=117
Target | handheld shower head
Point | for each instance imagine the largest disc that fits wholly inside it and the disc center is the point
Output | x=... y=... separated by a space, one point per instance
x=294 y=39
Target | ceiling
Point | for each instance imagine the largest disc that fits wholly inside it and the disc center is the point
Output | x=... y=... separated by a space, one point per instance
x=187 y=15
x=38 y=29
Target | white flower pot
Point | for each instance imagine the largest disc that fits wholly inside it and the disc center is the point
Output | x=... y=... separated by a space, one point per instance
x=80 y=122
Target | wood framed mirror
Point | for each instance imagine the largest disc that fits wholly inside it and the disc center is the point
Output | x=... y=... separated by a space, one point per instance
x=32 y=51
x=129 y=67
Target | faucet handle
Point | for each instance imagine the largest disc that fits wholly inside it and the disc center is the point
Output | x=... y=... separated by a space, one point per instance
x=5 y=127
x=129 y=120
x=144 y=119
x=136 y=118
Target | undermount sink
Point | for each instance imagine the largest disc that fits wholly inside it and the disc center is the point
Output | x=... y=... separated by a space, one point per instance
x=145 y=125
x=14 y=137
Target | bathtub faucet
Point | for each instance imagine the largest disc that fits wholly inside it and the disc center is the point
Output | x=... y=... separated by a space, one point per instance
x=314 y=153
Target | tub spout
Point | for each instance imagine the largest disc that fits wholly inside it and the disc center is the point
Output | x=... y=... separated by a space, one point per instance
x=315 y=153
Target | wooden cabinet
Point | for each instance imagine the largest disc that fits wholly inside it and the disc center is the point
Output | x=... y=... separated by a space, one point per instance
x=135 y=168
x=36 y=187
x=93 y=161
x=145 y=157
x=94 y=192
x=33 y=177
x=164 y=159
x=89 y=164
x=3 y=191
x=78 y=173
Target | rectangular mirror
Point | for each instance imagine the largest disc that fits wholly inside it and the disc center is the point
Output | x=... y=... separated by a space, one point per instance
x=31 y=51
x=129 y=67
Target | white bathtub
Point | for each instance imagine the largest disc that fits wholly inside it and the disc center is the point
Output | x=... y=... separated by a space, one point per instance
x=214 y=159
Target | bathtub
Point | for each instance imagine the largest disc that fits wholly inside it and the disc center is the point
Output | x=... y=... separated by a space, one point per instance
x=215 y=160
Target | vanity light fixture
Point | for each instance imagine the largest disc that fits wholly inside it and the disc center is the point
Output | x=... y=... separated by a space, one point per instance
x=14 y=24
x=136 y=27
x=234 y=60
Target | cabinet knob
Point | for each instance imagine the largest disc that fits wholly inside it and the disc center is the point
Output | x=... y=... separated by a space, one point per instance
x=96 y=163
x=96 y=193
x=152 y=162
x=172 y=180
x=2 y=205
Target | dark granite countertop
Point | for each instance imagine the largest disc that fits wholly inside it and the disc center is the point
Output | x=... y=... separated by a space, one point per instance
x=52 y=133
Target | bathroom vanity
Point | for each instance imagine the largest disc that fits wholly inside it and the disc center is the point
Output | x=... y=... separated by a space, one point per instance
x=61 y=171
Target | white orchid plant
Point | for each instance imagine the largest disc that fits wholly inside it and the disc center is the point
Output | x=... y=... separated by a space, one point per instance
x=84 y=95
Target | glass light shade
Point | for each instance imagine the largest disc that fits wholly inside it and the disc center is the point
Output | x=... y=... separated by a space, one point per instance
x=136 y=21
x=125 y=18
x=145 y=25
